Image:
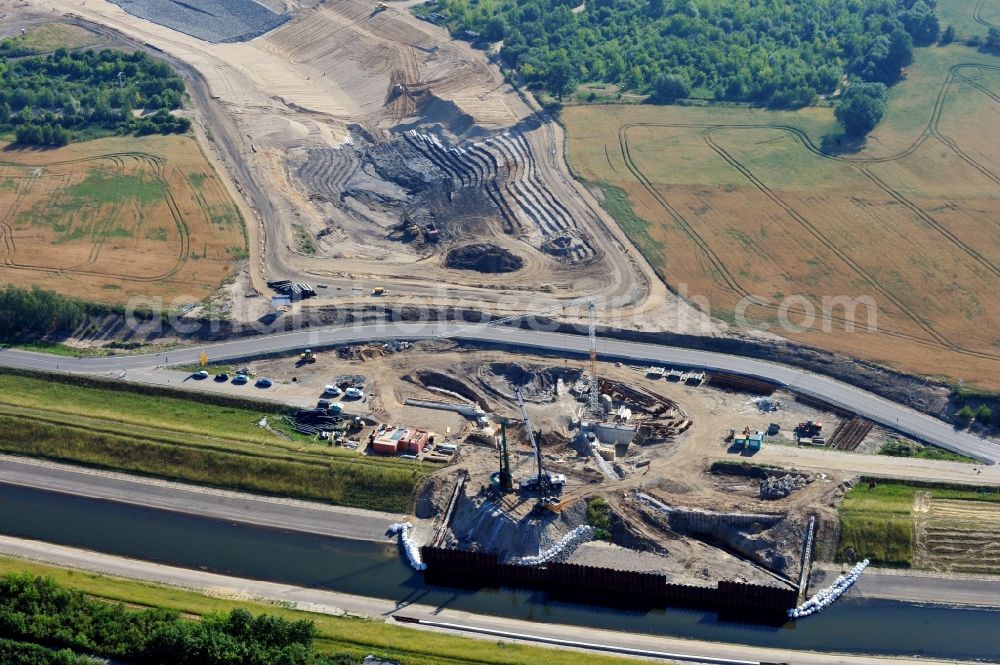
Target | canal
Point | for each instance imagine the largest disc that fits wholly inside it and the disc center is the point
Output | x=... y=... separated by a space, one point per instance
x=370 y=569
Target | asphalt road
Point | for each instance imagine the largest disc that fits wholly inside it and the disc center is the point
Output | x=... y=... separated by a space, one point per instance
x=850 y=398
x=473 y=625
x=277 y=513
x=917 y=586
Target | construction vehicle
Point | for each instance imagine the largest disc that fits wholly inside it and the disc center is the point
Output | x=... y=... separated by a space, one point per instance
x=809 y=428
x=548 y=485
x=307 y=357
x=433 y=235
x=380 y=7
x=378 y=291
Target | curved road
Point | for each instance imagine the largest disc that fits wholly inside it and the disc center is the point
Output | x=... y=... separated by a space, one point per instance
x=837 y=393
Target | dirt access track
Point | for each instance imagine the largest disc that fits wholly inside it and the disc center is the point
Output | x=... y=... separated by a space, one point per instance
x=343 y=127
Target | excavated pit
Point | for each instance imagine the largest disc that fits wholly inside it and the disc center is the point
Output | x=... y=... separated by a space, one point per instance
x=537 y=384
x=484 y=258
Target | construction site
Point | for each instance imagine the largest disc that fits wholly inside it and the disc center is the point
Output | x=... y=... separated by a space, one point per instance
x=365 y=146
x=637 y=471
x=378 y=163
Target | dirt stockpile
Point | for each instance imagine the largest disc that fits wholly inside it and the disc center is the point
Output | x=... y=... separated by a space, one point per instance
x=481 y=524
x=485 y=258
x=209 y=20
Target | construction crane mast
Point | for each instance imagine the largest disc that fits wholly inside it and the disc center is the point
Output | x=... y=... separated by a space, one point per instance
x=592 y=332
x=513 y=319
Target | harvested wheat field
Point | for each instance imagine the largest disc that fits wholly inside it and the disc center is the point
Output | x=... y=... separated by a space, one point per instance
x=114 y=218
x=959 y=536
x=734 y=204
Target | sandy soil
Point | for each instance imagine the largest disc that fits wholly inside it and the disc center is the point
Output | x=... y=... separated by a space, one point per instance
x=333 y=64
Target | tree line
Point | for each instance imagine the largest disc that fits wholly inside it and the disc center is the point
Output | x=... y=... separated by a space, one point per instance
x=37 y=611
x=69 y=95
x=776 y=52
x=29 y=314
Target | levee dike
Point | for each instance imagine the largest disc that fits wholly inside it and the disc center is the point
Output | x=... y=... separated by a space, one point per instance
x=605 y=586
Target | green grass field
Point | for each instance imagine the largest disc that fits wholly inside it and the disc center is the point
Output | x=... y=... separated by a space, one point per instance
x=878 y=523
x=48 y=37
x=182 y=439
x=176 y=414
x=960 y=14
x=353 y=635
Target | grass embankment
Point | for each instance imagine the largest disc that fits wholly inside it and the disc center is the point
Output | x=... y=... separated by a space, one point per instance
x=878 y=522
x=134 y=405
x=351 y=635
x=48 y=37
x=897 y=448
x=180 y=439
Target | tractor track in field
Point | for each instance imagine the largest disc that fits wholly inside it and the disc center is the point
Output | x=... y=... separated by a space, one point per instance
x=100 y=236
x=716 y=267
x=977 y=15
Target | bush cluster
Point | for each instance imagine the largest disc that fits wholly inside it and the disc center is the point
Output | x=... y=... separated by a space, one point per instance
x=56 y=98
x=37 y=611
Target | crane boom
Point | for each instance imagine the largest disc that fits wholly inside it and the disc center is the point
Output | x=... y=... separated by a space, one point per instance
x=515 y=317
x=543 y=479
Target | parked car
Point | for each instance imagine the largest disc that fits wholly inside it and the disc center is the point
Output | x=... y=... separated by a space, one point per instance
x=263 y=382
x=222 y=377
x=200 y=374
x=240 y=379
x=331 y=389
x=354 y=393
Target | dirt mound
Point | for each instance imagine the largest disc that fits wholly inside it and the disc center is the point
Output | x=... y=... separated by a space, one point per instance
x=484 y=258
x=432 y=110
